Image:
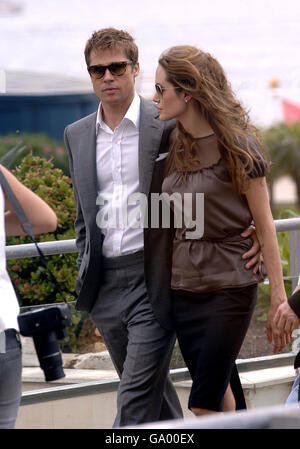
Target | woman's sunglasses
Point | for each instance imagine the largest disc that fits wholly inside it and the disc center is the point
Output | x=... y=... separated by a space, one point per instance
x=116 y=69
x=160 y=90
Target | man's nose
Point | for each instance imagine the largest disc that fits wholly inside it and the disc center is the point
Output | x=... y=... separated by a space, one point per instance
x=107 y=75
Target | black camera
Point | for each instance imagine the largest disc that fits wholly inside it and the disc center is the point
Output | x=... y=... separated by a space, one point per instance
x=46 y=325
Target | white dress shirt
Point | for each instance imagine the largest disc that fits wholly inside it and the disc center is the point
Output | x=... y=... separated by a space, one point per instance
x=118 y=181
x=9 y=306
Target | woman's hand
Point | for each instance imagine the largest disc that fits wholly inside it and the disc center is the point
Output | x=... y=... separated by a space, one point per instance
x=285 y=318
x=278 y=330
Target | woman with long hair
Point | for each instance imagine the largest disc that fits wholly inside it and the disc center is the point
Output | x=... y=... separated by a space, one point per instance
x=215 y=152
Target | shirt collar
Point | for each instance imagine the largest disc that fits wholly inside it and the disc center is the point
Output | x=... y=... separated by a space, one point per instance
x=132 y=114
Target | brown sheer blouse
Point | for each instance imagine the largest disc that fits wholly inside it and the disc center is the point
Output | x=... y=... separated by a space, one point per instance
x=213 y=261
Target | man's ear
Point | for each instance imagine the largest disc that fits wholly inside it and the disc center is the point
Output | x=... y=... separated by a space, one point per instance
x=136 y=69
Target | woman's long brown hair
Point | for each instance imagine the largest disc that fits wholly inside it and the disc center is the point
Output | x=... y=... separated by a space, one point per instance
x=201 y=76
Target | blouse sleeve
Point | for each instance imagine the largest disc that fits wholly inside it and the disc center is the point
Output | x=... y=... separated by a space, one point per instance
x=260 y=165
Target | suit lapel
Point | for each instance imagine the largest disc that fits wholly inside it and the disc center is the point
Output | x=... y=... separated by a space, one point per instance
x=87 y=164
x=150 y=134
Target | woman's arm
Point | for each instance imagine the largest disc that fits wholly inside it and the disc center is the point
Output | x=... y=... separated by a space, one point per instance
x=258 y=200
x=40 y=215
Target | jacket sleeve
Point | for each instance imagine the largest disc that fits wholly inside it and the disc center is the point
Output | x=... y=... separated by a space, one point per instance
x=79 y=224
x=294 y=302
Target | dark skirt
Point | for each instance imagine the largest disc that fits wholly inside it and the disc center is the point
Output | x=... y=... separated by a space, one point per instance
x=210 y=329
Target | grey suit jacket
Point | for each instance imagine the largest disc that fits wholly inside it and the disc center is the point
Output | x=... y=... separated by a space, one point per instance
x=80 y=140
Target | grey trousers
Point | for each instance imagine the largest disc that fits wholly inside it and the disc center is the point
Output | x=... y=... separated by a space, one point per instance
x=139 y=347
x=10 y=379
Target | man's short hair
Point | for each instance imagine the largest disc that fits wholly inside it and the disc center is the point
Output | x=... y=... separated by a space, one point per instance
x=111 y=39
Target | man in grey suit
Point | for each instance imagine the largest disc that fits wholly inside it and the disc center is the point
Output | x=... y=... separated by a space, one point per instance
x=124 y=271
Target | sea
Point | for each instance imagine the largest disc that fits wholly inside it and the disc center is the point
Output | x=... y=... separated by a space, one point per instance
x=256 y=41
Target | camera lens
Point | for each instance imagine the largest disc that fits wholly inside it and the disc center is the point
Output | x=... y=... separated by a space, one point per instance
x=49 y=355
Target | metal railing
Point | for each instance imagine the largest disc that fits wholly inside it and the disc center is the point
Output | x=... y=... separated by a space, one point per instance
x=292 y=225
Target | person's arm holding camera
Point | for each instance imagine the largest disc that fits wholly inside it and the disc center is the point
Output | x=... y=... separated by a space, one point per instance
x=43 y=219
x=39 y=214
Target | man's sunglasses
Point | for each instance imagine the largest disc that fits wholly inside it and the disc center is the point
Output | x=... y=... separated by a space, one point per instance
x=160 y=90
x=116 y=68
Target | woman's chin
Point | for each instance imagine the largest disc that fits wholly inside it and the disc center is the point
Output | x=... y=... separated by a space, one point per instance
x=163 y=117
